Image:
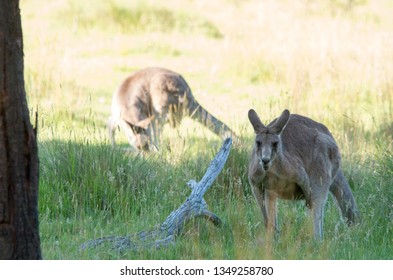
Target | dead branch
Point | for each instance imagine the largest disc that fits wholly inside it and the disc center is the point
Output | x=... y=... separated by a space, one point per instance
x=166 y=233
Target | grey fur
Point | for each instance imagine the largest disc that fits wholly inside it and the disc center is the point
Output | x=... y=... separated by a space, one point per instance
x=295 y=158
x=148 y=99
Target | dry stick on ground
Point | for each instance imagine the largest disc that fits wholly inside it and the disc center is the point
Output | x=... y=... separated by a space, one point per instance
x=194 y=206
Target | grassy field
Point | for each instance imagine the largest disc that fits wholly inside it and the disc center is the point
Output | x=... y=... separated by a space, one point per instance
x=329 y=60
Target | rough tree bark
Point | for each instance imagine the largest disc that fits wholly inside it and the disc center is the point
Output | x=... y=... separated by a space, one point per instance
x=165 y=234
x=19 y=238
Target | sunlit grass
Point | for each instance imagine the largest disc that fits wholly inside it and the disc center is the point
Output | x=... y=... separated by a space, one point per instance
x=323 y=59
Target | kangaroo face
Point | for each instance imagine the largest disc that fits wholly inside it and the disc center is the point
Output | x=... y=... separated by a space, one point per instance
x=142 y=142
x=142 y=139
x=268 y=140
x=266 y=148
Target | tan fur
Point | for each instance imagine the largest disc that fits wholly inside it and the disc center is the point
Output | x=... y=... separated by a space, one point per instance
x=151 y=97
x=294 y=158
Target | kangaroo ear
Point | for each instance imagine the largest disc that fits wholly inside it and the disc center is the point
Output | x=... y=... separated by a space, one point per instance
x=255 y=121
x=145 y=123
x=279 y=125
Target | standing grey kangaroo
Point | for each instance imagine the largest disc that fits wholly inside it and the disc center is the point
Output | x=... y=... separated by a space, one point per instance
x=296 y=158
x=151 y=97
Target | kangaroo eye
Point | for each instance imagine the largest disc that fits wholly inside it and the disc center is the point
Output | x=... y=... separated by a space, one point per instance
x=259 y=143
x=275 y=144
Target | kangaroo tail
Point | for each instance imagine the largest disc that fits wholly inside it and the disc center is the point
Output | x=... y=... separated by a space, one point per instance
x=343 y=195
x=198 y=113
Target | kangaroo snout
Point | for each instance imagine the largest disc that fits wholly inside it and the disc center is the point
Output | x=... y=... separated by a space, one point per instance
x=142 y=142
x=265 y=162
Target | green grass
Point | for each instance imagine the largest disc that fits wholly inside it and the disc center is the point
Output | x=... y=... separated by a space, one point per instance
x=138 y=17
x=327 y=60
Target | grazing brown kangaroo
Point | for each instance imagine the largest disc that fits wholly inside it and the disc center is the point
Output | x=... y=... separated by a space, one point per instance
x=151 y=97
x=295 y=158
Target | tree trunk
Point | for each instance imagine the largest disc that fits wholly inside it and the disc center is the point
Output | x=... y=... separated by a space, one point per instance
x=19 y=238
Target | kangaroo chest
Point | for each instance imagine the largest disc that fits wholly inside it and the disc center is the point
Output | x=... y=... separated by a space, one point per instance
x=283 y=188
